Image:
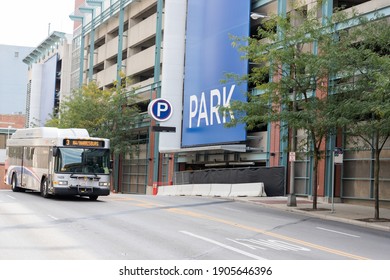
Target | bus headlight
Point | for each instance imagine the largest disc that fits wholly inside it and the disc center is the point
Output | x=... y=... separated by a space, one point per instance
x=104 y=184
x=60 y=183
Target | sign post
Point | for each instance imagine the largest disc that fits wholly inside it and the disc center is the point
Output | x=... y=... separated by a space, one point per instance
x=160 y=110
x=291 y=198
x=338 y=158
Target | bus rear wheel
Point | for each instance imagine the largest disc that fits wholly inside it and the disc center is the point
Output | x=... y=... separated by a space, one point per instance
x=93 y=197
x=45 y=188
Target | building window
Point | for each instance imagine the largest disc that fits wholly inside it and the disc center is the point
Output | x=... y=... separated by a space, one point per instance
x=3 y=140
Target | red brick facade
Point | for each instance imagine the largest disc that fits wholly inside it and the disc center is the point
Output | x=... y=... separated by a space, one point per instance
x=15 y=121
x=12 y=122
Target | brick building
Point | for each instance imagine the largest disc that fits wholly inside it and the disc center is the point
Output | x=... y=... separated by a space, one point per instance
x=8 y=125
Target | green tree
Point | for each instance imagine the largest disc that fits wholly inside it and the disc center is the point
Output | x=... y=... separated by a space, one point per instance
x=108 y=113
x=364 y=91
x=297 y=53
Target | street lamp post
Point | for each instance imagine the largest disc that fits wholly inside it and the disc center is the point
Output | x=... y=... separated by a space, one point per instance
x=157 y=73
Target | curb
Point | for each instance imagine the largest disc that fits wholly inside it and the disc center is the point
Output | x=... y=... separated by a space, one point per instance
x=325 y=215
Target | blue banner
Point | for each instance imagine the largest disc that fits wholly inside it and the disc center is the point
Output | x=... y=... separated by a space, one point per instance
x=209 y=56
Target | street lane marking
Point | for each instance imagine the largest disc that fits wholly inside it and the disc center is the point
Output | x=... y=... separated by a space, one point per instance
x=275 y=235
x=231 y=209
x=10 y=196
x=54 y=218
x=257 y=230
x=270 y=244
x=253 y=247
x=223 y=245
x=338 y=232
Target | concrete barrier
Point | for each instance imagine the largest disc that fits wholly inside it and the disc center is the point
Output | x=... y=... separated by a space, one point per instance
x=167 y=190
x=201 y=190
x=220 y=189
x=184 y=189
x=248 y=189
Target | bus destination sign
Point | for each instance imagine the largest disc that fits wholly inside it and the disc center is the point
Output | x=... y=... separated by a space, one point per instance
x=83 y=143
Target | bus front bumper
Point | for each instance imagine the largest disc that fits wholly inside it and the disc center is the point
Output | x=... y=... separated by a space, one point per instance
x=81 y=190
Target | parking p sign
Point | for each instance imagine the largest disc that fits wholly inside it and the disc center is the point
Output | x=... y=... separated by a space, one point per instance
x=160 y=109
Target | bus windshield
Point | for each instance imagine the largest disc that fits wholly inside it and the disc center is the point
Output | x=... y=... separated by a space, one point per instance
x=82 y=161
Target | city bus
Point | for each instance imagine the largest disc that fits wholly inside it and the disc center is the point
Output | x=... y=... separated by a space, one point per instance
x=58 y=162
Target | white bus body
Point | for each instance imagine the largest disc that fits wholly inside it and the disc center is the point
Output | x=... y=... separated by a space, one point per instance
x=56 y=161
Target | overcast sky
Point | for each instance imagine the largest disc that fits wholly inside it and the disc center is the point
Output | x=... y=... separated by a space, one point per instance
x=26 y=22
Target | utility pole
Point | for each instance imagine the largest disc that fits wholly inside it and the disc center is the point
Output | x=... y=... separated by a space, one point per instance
x=291 y=198
x=157 y=73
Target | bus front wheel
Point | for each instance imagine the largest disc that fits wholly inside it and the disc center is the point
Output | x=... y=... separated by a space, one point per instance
x=14 y=183
x=45 y=188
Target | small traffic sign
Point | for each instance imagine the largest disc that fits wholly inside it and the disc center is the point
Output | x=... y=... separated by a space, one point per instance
x=160 y=109
x=159 y=128
x=338 y=155
x=291 y=156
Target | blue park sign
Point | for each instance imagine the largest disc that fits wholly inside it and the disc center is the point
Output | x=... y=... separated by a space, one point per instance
x=160 y=109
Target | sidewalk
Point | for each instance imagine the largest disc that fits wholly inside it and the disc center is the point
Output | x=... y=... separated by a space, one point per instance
x=342 y=212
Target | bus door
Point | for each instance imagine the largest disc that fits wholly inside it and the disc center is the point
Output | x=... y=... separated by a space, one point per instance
x=27 y=169
x=51 y=161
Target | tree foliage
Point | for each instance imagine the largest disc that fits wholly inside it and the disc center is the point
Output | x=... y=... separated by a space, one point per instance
x=304 y=58
x=296 y=93
x=363 y=90
x=106 y=113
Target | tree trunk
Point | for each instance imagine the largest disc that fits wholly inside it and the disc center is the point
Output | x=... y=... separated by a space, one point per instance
x=315 y=179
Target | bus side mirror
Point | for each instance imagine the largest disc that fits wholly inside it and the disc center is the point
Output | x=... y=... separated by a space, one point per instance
x=55 y=151
x=111 y=164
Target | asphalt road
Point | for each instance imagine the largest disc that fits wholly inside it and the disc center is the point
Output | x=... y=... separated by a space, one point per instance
x=120 y=227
